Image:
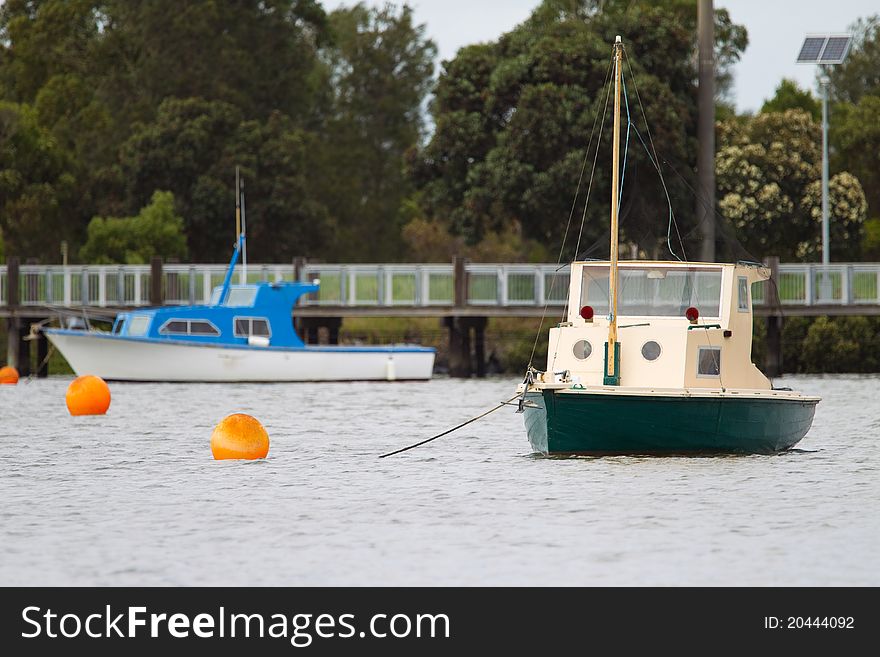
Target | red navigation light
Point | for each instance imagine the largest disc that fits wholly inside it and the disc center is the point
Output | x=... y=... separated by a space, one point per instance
x=692 y=314
x=587 y=313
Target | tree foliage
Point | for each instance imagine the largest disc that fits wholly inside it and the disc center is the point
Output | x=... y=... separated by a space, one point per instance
x=128 y=98
x=381 y=66
x=35 y=184
x=768 y=171
x=790 y=96
x=156 y=230
x=514 y=118
x=859 y=74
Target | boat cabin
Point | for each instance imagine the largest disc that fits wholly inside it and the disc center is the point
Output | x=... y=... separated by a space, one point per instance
x=680 y=325
x=258 y=315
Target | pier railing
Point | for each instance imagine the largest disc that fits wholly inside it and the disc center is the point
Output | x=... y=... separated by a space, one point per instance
x=341 y=285
x=506 y=285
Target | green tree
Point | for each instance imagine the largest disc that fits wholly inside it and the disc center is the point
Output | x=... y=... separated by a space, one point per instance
x=513 y=120
x=859 y=74
x=156 y=230
x=192 y=149
x=768 y=171
x=380 y=64
x=855 y=135
x=790 y=96
x=98 y=71
x=35 y=185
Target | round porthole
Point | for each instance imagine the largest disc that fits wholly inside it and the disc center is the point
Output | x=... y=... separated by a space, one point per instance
x=651 y=350
x=582 y=349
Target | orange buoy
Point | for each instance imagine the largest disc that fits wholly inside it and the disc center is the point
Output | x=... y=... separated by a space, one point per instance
x=239 y=436
x=88 y=395
x=8 y=375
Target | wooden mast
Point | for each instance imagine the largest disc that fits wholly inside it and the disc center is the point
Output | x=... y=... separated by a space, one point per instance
x=612 y=348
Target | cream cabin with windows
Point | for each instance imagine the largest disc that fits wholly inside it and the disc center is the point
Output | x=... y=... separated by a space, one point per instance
x=660 y=345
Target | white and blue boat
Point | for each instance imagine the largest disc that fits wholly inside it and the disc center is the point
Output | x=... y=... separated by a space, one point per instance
x=246 y=333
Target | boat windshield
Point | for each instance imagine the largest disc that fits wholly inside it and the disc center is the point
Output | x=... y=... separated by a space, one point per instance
x=654 y=291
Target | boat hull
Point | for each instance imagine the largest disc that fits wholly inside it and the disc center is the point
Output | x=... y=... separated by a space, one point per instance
x=128 y=359
x=559 y=422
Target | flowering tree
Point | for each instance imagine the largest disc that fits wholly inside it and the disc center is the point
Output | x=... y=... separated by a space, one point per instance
x=768 y=173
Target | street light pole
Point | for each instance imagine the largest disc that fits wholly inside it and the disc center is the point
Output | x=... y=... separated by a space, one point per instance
x=825 y=50
x=706 y=128
x=826 y=233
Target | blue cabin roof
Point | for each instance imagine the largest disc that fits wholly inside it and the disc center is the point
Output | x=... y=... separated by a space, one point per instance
x=237 y=314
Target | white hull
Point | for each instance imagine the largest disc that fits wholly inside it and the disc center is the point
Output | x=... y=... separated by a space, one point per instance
x=141 y=360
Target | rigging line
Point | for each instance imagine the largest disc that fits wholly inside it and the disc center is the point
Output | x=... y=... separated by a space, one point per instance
x=626 y=145
x=672 y=220
x=577 y=246
x=656 y=162
x=448 y=431
x=726 y=230
x=625 y=212
x=592 y=172
x=568 y=223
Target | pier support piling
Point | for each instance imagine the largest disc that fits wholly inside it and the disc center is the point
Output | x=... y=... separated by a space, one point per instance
x=42 y=356
x=463 y=363
x=773 y=341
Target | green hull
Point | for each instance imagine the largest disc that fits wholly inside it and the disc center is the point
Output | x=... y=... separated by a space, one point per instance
x=636 y=424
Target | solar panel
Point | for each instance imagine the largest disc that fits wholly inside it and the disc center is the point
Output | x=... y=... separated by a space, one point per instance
x=835 y=50
x=811 y=50
x=824 y=49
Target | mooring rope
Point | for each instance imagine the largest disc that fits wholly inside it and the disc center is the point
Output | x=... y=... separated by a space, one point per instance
x=455 y=428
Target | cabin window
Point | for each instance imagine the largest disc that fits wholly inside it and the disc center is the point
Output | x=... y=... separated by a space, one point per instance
x=742 y=303
x=651 y=350
x=198 y=327
x=174 y=326
x=138 y=325
x=582 y=349
x=241 y=296
x=189 y=327
x=709 y=361
x=656 y=291
x=247 y=326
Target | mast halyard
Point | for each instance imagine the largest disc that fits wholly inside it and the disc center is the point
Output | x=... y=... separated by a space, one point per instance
x=612 y=347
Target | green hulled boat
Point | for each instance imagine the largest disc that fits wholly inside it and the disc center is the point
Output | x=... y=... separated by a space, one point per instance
x=655 y=358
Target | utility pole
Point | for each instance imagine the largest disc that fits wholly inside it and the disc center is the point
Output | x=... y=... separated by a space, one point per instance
x=706 y=128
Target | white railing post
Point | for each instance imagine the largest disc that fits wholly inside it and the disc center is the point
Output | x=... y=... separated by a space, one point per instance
x=539 y=286
x=502 y=285
x=102 y=287
x=846 y=280
x=808 y=286
x=67 y=278
x=137 y=287
x=49 y=286
x=84 y=286
x=389 y=288
x=425 y=291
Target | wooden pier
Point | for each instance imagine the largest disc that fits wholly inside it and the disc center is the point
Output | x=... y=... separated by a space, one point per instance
x=461 y=295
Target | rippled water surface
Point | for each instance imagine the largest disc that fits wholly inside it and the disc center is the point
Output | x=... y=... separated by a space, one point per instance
x=135 y=497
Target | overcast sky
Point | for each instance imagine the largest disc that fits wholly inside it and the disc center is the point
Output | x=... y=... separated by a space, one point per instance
x=776 y=30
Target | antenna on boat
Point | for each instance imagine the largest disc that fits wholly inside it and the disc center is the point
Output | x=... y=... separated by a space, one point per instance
x=239 y=242
x=243 y=279
x=612 y=347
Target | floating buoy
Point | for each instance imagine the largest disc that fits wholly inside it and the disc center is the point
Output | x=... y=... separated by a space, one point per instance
x=8 y=375
x=88 y=395
x=239 y=436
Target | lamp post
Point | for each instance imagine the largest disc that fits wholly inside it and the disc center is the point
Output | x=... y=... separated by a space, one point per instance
x=828 y=50
x=826 y=233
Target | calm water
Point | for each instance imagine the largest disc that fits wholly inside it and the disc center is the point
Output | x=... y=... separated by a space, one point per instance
x=135 y=498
